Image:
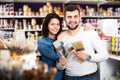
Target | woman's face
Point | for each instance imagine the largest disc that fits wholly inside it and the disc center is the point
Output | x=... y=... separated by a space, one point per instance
x=54 y=26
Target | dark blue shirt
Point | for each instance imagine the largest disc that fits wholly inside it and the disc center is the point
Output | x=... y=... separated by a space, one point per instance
x=49 y=54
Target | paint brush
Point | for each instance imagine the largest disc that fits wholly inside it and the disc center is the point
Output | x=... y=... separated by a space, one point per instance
x=2 y=44
x=69 y=47
x=58 y=47
x=78 y=45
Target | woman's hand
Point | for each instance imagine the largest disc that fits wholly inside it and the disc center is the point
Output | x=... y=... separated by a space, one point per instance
x=63 y=60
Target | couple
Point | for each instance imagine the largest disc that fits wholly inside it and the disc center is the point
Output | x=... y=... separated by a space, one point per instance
x=80 y=65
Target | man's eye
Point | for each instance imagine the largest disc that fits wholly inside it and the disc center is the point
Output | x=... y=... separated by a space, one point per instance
x=76 y=17
x=69 y=17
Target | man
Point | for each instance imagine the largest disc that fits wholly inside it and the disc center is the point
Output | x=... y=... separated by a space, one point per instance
x=81 y=64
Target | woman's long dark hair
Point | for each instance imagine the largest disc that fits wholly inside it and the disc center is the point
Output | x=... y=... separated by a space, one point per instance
x=45 y=30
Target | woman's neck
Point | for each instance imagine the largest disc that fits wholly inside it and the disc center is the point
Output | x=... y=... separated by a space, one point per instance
x=51 y=36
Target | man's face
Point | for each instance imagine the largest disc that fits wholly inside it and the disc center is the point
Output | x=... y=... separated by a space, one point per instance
x=72 y=19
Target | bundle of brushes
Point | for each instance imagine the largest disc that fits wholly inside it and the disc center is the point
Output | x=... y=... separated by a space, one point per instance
x=39 y=73
x=17 y=47
x=2 y=44
x=58 y=46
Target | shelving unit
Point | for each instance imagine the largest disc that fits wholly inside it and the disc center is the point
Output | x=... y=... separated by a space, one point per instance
x=35 y=6
x=60 y=3
x=114 y=57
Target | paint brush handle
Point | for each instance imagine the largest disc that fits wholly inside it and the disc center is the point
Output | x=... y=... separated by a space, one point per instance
x=58 y=46
x=60 y=52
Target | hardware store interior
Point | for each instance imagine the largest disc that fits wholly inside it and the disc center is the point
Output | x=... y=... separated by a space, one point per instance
x=21 y=25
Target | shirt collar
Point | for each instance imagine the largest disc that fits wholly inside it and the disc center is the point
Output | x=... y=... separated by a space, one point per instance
x=49 y=39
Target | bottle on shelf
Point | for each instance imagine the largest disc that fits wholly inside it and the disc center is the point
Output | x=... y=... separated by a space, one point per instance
x=33 y=23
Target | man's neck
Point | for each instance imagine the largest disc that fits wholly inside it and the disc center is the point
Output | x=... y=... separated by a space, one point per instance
x=73 y=32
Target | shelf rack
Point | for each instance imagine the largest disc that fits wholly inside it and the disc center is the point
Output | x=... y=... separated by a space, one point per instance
x=115 y=57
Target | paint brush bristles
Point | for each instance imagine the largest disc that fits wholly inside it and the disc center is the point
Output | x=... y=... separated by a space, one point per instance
x=58 y=46
x=78 y=45
x=2 y=44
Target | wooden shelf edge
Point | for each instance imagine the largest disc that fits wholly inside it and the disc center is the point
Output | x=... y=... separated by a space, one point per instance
x=115 y=57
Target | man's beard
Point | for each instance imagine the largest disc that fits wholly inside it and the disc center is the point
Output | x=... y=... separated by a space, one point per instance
x=72 y=28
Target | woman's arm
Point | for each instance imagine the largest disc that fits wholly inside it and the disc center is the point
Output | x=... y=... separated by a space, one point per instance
x=61 y=64
x=48 y=51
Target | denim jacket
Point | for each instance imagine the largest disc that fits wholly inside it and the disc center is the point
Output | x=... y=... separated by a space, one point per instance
x=49 y=55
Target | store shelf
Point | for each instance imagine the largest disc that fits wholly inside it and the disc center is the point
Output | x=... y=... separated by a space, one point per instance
x=6 y=0
x=31 y=1
x=83 y=2
x=6 y=16
x=110 y=2
x=92 y=2
x=115 y=57
x=66 y=1
x=24 y=16
x=102 y=17
x=34 y=30
x=60 y=16
x=30 y=16
x=6 y=28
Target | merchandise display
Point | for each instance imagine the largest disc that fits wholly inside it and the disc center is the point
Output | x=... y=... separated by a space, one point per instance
x=25 y=16
x=20 y=28
x=18 y=61
x=17 y=70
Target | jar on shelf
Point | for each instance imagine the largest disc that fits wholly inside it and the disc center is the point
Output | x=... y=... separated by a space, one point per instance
x=25 y=10
x=20 y=12
x=33 y=23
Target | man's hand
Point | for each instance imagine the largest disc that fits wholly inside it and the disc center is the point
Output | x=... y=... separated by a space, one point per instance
x=82 y=56
x=88 y=26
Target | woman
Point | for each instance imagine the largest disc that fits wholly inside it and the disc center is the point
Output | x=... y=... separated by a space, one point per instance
x=51 y=28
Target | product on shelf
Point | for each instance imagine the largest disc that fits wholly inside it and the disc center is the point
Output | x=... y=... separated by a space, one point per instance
x=33 y=23
x=115 y=45
x=14 y=71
